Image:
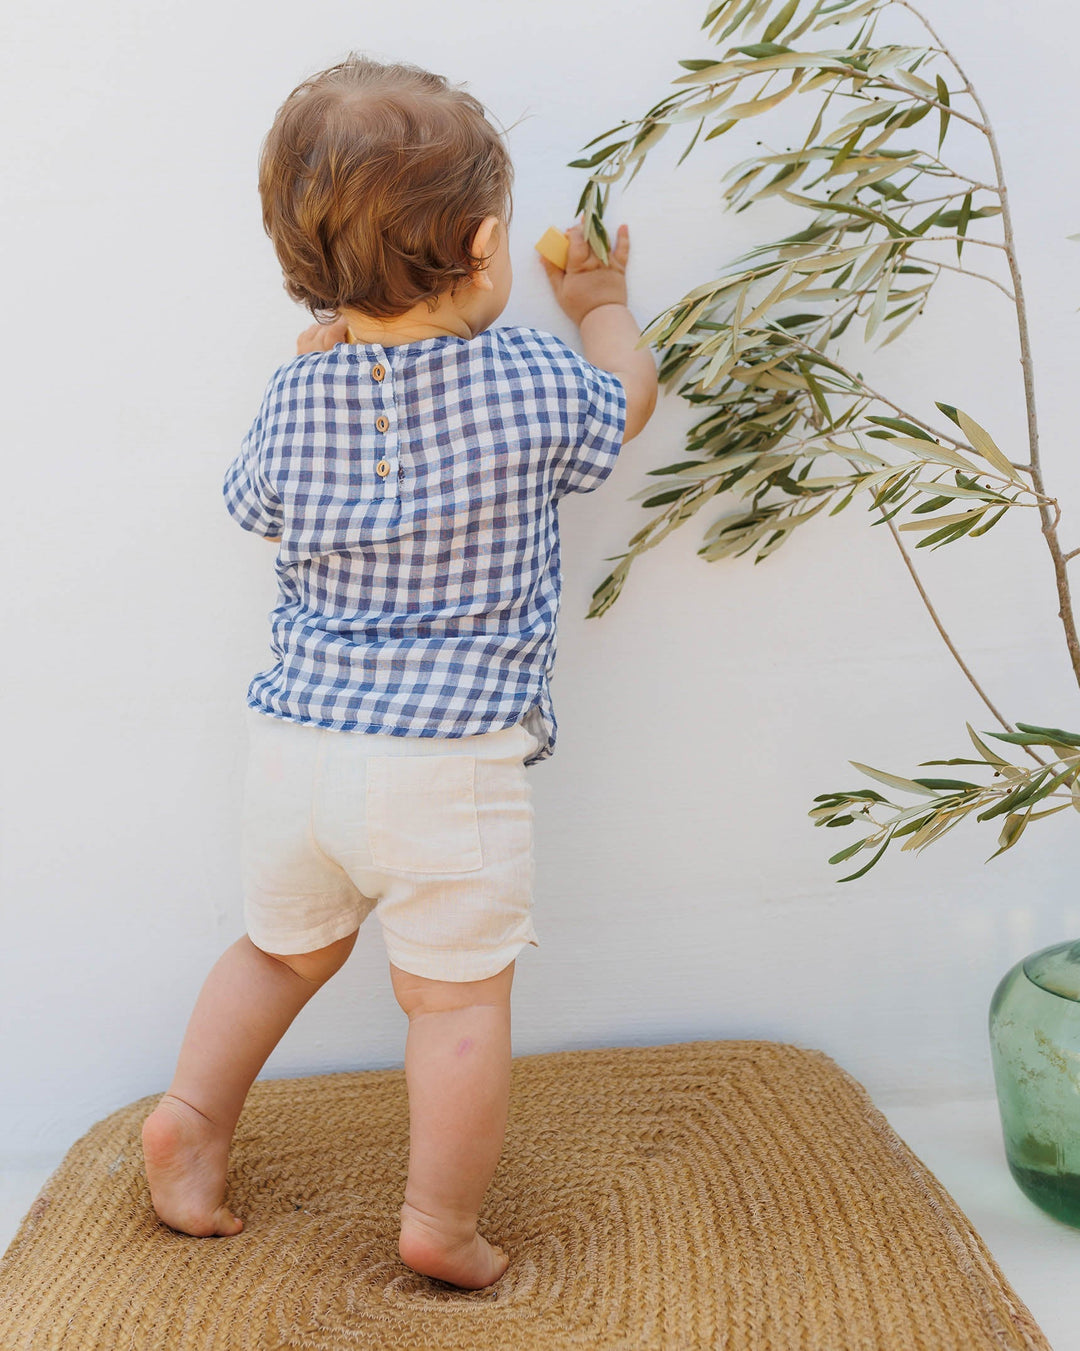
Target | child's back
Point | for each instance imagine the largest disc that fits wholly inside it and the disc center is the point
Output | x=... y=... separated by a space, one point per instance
x=414 y=488
x=410 y=462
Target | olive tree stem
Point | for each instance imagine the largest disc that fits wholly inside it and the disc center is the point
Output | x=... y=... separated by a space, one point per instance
x=1048 y=516
x=948 y=641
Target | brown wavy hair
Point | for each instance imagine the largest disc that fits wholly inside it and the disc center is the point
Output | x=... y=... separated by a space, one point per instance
x=374 y=178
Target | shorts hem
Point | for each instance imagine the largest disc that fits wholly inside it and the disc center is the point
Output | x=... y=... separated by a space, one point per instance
x=455 y=966
x=308 y=940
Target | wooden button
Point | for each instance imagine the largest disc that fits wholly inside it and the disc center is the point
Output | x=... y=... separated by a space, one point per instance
x=382 y=468
x=382 y=424
x=377 y=372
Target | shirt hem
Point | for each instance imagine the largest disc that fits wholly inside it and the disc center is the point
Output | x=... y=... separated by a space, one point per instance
x=337 y=726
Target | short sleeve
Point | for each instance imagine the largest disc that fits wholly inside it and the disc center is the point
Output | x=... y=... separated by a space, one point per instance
x=249 y=496
x=595 y=407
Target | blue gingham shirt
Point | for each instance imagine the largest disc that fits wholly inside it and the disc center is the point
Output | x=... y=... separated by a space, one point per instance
x=415 y=489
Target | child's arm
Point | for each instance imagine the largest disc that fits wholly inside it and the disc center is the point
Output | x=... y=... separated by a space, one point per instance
x=594 y=296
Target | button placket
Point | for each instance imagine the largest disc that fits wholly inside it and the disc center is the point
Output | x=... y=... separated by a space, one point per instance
x=382 y=374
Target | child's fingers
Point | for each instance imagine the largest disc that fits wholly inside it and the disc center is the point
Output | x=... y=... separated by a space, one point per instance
x=308 y=340
x=580 y=253
x=337 y=332
x=321 y=337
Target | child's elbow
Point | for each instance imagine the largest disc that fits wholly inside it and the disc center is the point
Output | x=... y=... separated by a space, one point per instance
x=641 y=396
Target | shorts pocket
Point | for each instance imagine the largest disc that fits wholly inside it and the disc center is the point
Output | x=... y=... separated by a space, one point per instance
x=421 y=813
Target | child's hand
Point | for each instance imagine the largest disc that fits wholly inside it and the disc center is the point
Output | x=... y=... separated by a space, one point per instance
x=321 y=337
x=587 y=282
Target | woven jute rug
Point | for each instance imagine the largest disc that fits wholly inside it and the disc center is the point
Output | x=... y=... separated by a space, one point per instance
x=735 y=1196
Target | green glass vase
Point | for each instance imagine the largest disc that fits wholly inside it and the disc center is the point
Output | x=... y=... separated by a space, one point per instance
x=1035 y=1045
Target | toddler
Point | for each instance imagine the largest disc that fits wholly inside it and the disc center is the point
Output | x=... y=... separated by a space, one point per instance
x=408 y=463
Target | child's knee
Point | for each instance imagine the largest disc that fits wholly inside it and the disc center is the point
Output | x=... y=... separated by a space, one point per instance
x=418 y=994
x=320 y=965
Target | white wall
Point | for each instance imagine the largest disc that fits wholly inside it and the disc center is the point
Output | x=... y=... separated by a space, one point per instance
x=682 y=892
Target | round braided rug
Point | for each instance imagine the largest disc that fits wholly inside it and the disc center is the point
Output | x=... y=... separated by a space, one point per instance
x=735 y=1196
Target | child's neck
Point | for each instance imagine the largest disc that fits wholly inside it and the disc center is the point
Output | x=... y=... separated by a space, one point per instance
x=417 y=324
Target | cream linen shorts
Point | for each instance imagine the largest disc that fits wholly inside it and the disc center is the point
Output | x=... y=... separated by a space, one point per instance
x=433 y=833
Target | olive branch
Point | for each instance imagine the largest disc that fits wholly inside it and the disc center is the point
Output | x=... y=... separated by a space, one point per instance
x=786 y=427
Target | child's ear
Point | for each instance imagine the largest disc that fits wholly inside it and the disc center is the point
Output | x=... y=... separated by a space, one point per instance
x=483 y=246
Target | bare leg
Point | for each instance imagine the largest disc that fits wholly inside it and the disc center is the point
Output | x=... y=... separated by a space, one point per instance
x=245 y=1007
x=457 y=1068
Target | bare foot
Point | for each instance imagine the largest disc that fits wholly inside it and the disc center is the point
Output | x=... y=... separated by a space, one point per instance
x=434 y=1249
x=186 y=1162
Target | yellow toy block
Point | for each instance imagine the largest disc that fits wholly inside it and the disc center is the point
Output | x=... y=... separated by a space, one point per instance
x=555 y=246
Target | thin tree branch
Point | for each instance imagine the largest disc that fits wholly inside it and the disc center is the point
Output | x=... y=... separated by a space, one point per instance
x=968 y=239
x=963 y=178
x=925 y=98
x=964 y=272
x=1041 y=498
x=947 y=640
x=912 y=202
x=861 y=384
x=1049 y=521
